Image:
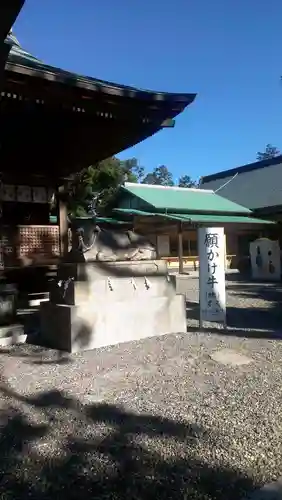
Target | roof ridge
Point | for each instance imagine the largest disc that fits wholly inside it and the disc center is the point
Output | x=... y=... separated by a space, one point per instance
x=249 y=167
x=172 y=188
x=18 y=51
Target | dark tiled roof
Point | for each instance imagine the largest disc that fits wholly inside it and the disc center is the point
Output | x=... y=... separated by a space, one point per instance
x=257 y=185
x=131 y=114
x=9 y=11
x=257 y=165
x=21 y=58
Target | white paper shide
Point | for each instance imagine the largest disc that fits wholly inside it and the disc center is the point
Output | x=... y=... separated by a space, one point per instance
x=212 y=274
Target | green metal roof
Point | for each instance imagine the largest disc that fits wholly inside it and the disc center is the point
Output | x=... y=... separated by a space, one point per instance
x=218 y=219
x=196 y=218
x=106 y=220
x=177 y=199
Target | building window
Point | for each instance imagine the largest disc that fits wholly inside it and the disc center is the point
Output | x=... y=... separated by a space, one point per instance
x=174 y=246
x=190 y=247
x=194 y=247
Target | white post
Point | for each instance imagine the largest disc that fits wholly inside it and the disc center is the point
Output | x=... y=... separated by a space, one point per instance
x=212 y=294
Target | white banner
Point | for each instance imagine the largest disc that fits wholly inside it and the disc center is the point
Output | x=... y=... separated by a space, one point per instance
x=211 y=243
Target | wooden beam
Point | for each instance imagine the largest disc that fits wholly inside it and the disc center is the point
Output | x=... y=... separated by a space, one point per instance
x=180 y=248
x=169 y=123
x=63 y=222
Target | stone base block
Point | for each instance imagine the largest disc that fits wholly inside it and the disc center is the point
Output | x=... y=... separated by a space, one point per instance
x=79 y=283
x=181 y=282
x=91 y=271
x=12 y=334
x=113 y=289
x=103 y=323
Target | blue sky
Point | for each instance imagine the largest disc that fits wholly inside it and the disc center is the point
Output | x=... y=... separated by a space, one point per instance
x=228 y=52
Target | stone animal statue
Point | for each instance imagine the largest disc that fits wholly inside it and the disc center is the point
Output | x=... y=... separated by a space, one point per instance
x=96 y=244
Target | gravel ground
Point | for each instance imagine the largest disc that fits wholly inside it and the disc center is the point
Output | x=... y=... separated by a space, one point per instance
x=154 y=419
x=253 y=307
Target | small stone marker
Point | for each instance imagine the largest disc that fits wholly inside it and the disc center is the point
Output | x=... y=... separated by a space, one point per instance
x=230 y=357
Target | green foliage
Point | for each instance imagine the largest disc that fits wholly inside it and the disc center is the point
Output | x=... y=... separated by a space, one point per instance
x=160 y=176
x=187 y=182
x=97 y=185
x=269 y=152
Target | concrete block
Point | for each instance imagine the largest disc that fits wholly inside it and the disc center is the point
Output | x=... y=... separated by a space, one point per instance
x=79 y=292
x=91 y=271
x=104 y=323
x=83 y=282
x=12 y=334
x=181 y=282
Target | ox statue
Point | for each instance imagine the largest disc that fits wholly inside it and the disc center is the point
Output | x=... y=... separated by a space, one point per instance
x=91 y=243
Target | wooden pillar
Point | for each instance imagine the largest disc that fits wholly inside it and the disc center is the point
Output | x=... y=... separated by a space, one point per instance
x=189 y=246
x=225 y=253
x=1 y=227
x=63 y=222
x=180 y=248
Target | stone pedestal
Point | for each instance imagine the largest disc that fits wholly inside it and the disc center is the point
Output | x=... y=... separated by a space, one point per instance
x=182 y=283
x=103 y=303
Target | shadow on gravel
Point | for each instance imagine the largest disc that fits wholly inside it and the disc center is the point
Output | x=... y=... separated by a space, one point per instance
x=258 y=322
x=244 y=322
x=268 y=317
x=36 y=355
x=51 y=445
